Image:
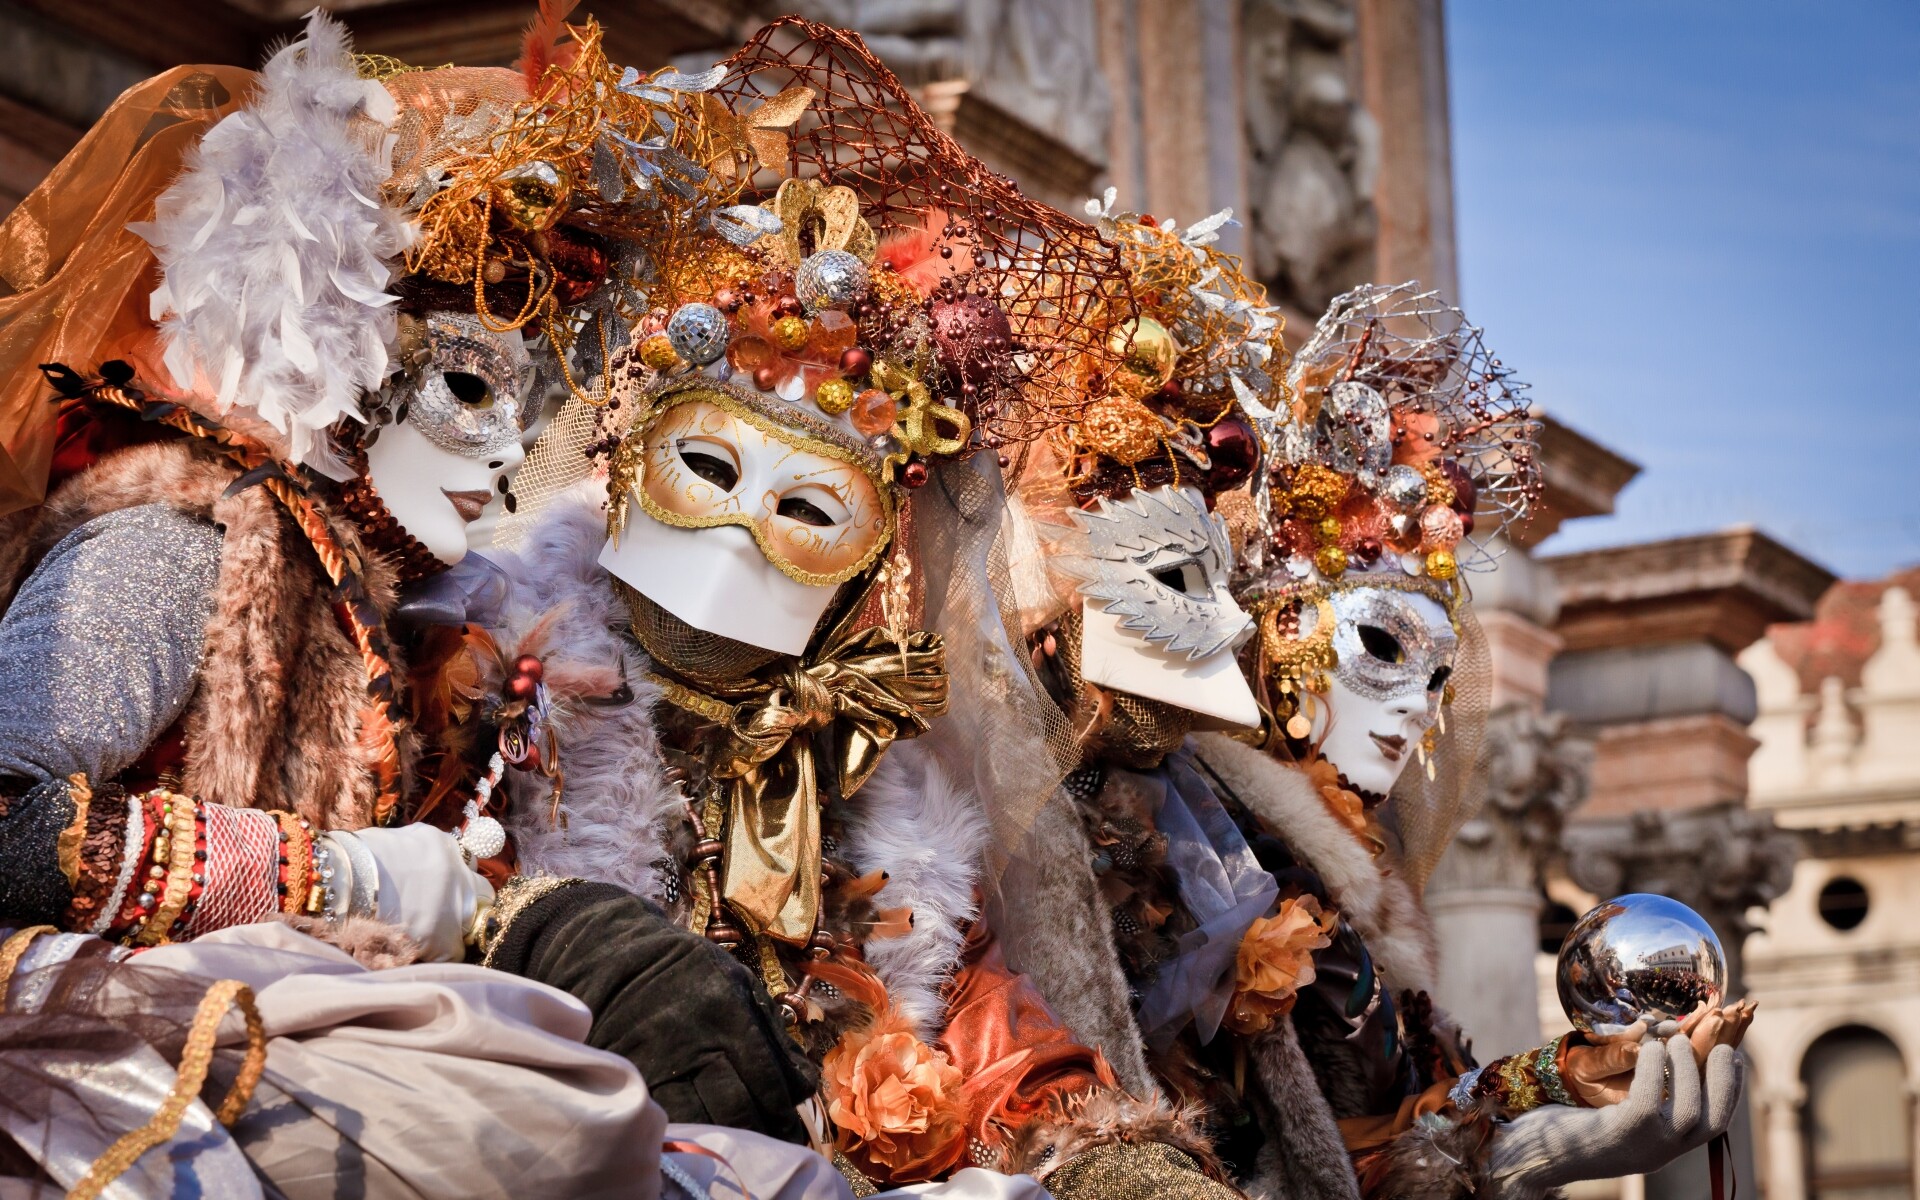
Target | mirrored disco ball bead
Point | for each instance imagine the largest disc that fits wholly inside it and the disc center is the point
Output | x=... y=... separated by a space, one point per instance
x=1406 y=487
x=1639 y=956
x=830 y=277
x=698 y=332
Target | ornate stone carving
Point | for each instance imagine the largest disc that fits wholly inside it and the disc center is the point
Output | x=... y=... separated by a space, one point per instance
x=1313 y=151
x=1720 y=861
x=1536 y=772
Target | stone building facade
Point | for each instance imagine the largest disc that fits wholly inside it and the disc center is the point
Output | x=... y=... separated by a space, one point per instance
x=1836 y=1045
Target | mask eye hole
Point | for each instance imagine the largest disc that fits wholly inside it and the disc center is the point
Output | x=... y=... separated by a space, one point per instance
x=468 y=388
x=811 y=504
x=1185 y=578
x=710 y=462
x=1382 y=645
x=804 y=511
x=1439 y=679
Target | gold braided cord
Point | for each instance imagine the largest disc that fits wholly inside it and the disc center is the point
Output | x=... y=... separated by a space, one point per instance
x=67 y=846
x=12 y=949
x=378 y=726
x=195 y=1059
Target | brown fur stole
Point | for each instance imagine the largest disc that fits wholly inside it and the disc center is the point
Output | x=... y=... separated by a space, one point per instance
x=276 y=718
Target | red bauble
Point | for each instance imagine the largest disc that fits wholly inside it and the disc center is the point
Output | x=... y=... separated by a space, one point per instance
x=1367 y=551
x=1466 y=496
x=764 y=378
x=914 y=474
x=787 y=306
x=530 y=666
x=521 y=687
x=1234 y=451
x=856 y=361
x=971 y=337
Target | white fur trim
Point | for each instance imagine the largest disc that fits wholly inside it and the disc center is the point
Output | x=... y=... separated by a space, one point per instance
x=913 y=822
x=275 y=249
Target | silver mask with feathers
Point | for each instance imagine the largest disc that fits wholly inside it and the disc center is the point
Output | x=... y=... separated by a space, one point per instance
x=1159 y=561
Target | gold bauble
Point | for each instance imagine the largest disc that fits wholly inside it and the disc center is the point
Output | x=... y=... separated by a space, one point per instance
x=1441 y=564
x=1317 y=492
x=1327 y=529
x=790 y=333
x=533 y=195
x=657 y=352
x=834 y=397
x=1331 y=560
x=1120 y=428
x=1148 y=353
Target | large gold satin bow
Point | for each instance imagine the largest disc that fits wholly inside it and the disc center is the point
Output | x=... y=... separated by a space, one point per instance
x=849 y=703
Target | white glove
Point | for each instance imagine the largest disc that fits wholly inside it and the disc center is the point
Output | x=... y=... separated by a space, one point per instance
x=415 y=877
x=1557 y=1145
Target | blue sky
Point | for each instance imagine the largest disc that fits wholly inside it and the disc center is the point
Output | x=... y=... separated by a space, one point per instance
x=1695 y=228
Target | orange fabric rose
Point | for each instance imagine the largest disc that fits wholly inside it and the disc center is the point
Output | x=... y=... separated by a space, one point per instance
x=1275 y=961
x=895 y=1101
x=1344 y=803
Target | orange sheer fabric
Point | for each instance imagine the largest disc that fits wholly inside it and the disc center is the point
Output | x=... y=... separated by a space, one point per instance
x=74 y=280
x=1018 y=1059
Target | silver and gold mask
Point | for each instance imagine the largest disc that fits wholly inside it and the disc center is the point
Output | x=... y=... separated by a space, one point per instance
x=1387 y=650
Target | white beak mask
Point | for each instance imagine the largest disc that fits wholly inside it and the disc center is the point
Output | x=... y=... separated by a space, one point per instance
x=1396 y=651
x=1159 y=622
x=742 y=527
x=456 y=433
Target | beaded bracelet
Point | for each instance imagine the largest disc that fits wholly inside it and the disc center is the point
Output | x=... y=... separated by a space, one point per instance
x=1519 y=1083
x=170 y=878
x=296 y=862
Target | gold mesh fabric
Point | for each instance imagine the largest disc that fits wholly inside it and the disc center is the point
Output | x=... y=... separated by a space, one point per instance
x=1060 y=285
x=446 y=115
x=1427 y=813
x=693 y=654
x=75 y=278
x=1132 y=730
x=558 y=461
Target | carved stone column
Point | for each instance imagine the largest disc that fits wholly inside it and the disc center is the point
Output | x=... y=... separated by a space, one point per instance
x=1485 y=895
x=1786 y=1156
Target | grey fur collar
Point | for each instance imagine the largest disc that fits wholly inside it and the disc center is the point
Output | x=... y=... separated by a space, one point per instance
x=622 y=815
x=1366 y=890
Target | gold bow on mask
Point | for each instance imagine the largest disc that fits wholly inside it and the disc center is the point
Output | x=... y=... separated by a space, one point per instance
x=848 y=704
x=920 y=418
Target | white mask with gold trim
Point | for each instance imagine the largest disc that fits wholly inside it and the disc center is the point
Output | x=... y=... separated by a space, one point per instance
x=741 y=525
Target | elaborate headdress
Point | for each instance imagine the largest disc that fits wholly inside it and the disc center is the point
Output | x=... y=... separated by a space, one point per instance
x=1404 y=448
x=1127 y=482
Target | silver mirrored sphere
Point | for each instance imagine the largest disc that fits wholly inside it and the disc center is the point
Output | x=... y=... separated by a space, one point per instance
x=1406 y=486
x=830 y=277
x=1635 y=957
x=698 y=332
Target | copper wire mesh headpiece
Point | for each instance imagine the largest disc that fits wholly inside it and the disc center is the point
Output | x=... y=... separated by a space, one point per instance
x=1054 y=277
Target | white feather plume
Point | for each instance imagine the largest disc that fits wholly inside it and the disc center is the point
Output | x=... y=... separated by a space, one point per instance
x=275 y=250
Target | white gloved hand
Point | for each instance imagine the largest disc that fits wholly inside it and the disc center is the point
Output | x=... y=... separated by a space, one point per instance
x=1659 y=1120
x=415 y=877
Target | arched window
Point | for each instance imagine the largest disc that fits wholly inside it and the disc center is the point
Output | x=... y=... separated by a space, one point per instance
x=1857 y=1120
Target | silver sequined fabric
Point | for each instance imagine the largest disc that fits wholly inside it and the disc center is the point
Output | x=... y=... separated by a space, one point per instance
x=104 y=641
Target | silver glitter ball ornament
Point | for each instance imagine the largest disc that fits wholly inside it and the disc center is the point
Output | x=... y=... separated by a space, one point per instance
x=829 y=278
x=699 y=333
x=1405 y=487
x=1639 y=957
